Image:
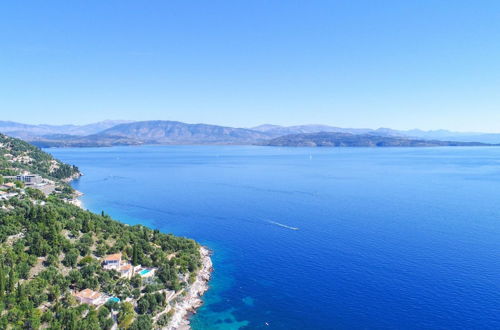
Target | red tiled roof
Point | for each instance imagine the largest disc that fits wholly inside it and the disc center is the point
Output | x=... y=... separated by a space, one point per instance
x=113 y=257
x=88 y=294
x=126 y=267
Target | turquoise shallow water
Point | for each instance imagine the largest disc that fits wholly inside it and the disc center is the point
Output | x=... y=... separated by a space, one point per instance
x=304 y=238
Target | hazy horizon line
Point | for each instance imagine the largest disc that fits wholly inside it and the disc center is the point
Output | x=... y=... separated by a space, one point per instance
x=254 y=126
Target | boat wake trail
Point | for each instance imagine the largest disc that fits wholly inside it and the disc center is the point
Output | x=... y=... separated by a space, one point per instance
x=282 y=225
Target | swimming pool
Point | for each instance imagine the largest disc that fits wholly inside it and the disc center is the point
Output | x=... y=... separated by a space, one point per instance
x=114 y=299
x=144 y=271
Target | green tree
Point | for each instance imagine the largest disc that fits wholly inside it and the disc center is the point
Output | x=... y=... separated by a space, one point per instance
x=143 y=306
x=136 y=281
x=19 y=292
x=2 y=281
x=126 y=315
x=12 y=280
x=135 y=255
x=163 y=320
x=143 y=322
x=70 y=258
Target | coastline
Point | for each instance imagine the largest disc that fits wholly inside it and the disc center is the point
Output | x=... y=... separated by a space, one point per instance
x=76 y=199
x=77 y=194
x=192 y=300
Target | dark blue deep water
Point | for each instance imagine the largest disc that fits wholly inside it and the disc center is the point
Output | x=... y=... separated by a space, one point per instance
x=387 y=238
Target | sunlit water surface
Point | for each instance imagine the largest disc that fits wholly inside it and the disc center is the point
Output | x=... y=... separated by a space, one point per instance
x=306 y=238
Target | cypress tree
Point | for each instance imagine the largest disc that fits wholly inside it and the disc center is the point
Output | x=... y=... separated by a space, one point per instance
x=135 y=256
x=2 y=281
x=12 y=281
x=19 y=291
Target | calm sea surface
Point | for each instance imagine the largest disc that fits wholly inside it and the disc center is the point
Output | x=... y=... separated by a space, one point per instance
x=346 y=238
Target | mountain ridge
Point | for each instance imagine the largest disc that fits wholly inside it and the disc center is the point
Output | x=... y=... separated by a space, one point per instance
x=336 y=139
x=118 y=132
x=155 y=132
x=20 y=130
x=168 y=132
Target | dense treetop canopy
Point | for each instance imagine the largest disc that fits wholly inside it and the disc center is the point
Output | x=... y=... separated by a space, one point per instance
x=50 y=249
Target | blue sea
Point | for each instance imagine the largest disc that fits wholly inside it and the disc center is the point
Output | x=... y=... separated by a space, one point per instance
x=319 y=238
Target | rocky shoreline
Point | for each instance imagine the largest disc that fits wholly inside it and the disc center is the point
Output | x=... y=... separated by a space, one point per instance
x=192 y=299
x=76 y=199
x=75 y=176
x=77 y=194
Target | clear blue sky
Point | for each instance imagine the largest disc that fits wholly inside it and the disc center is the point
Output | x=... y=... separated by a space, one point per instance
x=400 y=64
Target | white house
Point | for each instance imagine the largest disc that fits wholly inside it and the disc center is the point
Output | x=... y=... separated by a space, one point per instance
x=30 y=179
x=126 y=270
x=90 y=297
x=113 y=261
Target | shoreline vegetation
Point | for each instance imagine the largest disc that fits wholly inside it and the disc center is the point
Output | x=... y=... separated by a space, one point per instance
x=63 y=267
x=191 y=298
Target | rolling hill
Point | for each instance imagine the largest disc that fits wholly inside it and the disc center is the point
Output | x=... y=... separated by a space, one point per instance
x=329 y=139
x=174 y=132
x=155 y=132
x=112 y=133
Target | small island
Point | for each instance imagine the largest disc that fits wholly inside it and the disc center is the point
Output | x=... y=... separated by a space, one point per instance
x=62 y=267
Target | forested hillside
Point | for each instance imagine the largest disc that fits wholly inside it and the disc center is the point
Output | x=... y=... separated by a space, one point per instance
x=16 y=154
x=50 y=250
x=329 y=139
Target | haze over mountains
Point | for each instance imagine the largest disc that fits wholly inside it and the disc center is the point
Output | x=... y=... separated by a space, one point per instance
x=443 y=135
x=115 y=132
x=27 y=131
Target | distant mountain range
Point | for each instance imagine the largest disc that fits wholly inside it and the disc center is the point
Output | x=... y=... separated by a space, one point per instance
x=332 y=139
x=276 y=130
x=443 y=135
x=135 y=133
x=27 y=132
x=116 y=132
x=173 y=132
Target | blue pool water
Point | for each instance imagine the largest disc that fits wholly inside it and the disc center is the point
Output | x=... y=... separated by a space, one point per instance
x=144 y=271
x=114 y=299
x=344 y=238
